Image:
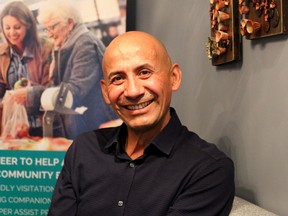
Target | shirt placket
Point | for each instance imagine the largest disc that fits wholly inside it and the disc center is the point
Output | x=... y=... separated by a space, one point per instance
x=130 y=172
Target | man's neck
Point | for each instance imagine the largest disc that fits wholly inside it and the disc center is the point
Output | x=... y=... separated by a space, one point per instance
x=138 y=140
x=136 y=144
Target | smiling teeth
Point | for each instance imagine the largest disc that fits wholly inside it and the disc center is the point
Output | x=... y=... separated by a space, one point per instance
x=139 y=106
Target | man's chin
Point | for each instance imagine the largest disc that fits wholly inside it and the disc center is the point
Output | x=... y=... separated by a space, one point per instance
x=140 y=126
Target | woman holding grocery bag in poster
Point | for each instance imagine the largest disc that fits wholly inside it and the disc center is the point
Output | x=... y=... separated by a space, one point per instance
x=76 y=64
x=24 y=62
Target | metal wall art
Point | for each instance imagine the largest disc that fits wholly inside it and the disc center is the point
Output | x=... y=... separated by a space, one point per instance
x=262 y=18
x=231 y=19
x=223 y=45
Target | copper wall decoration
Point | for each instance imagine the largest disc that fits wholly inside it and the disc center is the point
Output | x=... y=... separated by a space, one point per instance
x=262 y=18
x=223 y=45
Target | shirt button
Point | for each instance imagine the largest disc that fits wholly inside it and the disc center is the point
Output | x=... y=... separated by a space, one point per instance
x=120 y=203
x=132 y=165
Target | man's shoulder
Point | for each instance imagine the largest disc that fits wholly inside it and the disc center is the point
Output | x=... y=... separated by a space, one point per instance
x=203 y=156
x=203 y=148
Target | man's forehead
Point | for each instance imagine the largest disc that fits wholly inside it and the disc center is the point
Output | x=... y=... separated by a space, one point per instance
x=130 y=60
x=132 y=50
x=129 y=52
x=133 y=41
x=139 y=47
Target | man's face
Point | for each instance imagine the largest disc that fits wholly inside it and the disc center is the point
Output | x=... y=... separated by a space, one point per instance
x=139 y=84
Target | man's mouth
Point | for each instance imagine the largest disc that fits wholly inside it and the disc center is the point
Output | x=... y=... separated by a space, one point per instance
x=139 y=106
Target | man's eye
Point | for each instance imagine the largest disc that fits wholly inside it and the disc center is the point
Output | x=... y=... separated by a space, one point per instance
x=145 y=73
x=116 y=80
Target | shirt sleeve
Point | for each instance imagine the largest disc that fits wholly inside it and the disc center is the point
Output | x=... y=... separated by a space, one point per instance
x=64 y=201
x=210 y=193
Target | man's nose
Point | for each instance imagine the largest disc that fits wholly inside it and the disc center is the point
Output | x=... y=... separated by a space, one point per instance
x=133 y=88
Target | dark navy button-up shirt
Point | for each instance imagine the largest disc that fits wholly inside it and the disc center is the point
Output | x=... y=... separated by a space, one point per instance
x=179 y=174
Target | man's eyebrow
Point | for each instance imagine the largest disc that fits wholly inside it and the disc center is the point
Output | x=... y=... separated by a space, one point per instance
x=114 y=73
x=138 y=68
x=144 y=66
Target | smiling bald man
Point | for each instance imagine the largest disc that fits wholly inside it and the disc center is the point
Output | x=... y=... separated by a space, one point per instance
x=151 y=165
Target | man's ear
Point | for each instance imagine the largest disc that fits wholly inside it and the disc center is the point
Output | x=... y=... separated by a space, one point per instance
x=104 y=91
x=176 y=76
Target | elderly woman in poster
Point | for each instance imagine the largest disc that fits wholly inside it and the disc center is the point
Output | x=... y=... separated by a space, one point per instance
x=76 y=63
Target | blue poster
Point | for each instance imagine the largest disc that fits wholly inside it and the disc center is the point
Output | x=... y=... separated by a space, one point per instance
x=27 y=180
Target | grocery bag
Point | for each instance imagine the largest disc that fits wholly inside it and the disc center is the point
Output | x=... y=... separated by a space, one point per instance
x=15 y=122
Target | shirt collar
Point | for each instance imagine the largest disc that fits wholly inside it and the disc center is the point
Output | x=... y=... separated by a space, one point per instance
x=169 y=135
x=163 y=142
x=26 y=54
x=120 y=134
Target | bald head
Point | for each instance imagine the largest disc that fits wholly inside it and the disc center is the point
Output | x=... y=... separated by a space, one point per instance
x=136 y=43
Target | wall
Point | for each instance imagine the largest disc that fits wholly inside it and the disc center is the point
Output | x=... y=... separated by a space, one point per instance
x=242 y=107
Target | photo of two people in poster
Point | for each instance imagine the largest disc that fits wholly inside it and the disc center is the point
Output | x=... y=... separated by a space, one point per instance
x=50 y=70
